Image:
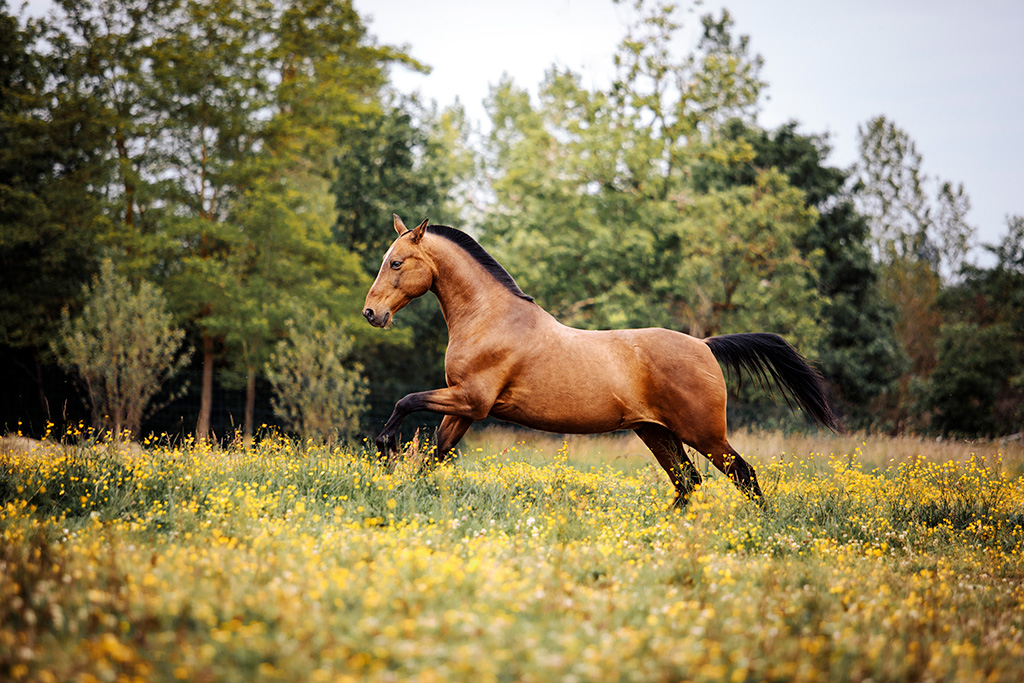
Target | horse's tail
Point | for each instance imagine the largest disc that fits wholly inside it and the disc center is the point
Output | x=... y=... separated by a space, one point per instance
x=766 y=357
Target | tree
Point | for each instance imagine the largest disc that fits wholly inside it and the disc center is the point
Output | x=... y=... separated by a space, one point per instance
x=219 y=115
x=287 y=263
x=194 y=143
x=123 y=346
x=921 y=241
x=52 y=177
x=596 y=212
x=49 y=209
x=859 y=354
x=971 y=370
x=320 y=391
x=893 y=192
x=953 y=235
x=890 y=192
x=404 y=159
x=977 y=387
x=212 y=79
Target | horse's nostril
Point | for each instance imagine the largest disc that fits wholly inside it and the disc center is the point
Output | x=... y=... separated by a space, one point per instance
x=368 y=314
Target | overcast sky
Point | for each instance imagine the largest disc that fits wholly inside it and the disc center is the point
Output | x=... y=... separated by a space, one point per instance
x=949 y=73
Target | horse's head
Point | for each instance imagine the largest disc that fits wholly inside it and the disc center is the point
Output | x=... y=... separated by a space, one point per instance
x=404 y=275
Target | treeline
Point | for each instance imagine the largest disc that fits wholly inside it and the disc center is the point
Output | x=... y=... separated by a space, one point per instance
x=208 y=186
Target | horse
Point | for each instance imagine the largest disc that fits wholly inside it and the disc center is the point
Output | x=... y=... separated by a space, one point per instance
x=510 y=359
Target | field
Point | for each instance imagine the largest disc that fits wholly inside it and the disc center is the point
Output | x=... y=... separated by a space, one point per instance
x=529 y=559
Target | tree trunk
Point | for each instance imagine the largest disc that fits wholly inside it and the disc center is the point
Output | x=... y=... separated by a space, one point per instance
x=250 y=405
x=206 y=397
x=129 y=186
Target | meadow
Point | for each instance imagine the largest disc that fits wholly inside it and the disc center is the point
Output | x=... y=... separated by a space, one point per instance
x=528 y=559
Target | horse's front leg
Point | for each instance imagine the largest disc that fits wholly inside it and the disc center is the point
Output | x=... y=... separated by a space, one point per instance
x=451 y=401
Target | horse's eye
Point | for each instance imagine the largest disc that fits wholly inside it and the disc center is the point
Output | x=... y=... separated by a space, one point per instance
x=395 y=265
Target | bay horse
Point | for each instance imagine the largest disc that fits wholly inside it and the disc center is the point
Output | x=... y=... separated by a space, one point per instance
x=509 y=358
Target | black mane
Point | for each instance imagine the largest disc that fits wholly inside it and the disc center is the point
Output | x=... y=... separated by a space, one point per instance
x=471 y=247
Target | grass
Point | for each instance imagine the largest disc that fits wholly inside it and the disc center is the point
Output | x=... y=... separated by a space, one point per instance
x=531 y=558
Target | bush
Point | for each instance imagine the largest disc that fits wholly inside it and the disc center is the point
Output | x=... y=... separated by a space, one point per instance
x=123 y=347
x=315 y=393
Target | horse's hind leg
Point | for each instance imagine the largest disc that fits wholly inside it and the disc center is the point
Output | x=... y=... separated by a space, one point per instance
x=726 y=459
x=668 y=450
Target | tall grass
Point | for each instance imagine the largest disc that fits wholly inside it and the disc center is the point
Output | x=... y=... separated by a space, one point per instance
x=628 y=452
x=530 y=558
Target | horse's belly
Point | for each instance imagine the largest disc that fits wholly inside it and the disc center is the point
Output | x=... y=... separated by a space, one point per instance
x=560 y=424
x=568 y=413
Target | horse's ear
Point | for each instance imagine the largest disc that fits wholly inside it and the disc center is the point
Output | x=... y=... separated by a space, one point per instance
x=417 y=233
x=399 y=225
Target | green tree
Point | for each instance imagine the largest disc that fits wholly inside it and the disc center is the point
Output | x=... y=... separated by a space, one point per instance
x=52 y=177
x=978 y=384
x=124 y=347
x=110 y=51
x=194 y=143
x=211 y=76
x=319 y=390
x=404 y=159
x=892 y=190
x=859 y=354
x=328 y=75
x=972 y=366
x=287 y=263
x=921 y=240
x=49 y=207
x=596 y=212
x=221 y=115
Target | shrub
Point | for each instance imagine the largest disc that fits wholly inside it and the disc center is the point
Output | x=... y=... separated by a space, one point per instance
x=123 y=346
x=315 y=393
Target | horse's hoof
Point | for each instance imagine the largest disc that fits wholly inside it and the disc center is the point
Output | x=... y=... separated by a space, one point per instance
x=385 y=445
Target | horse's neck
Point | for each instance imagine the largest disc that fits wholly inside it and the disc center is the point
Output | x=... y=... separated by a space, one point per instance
x=468 y=294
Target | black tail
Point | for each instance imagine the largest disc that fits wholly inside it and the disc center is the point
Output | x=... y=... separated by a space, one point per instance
x=767 y=357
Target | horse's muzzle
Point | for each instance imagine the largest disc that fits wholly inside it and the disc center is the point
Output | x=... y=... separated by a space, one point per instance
x=374 y=319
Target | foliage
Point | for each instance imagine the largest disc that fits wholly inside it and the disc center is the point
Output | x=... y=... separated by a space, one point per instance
x=246 y=155
x=978 y=384
x=124 y=347
x=299 y=562
x=597 y=218
x=319 y=390
x=49 y=205
x=921 y=238
x=213 y=156
x=405 y=159
x=858 y=354
x=972 y=366
x=892 y=191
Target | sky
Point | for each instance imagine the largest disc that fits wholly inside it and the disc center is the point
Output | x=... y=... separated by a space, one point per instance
x=951 y=74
